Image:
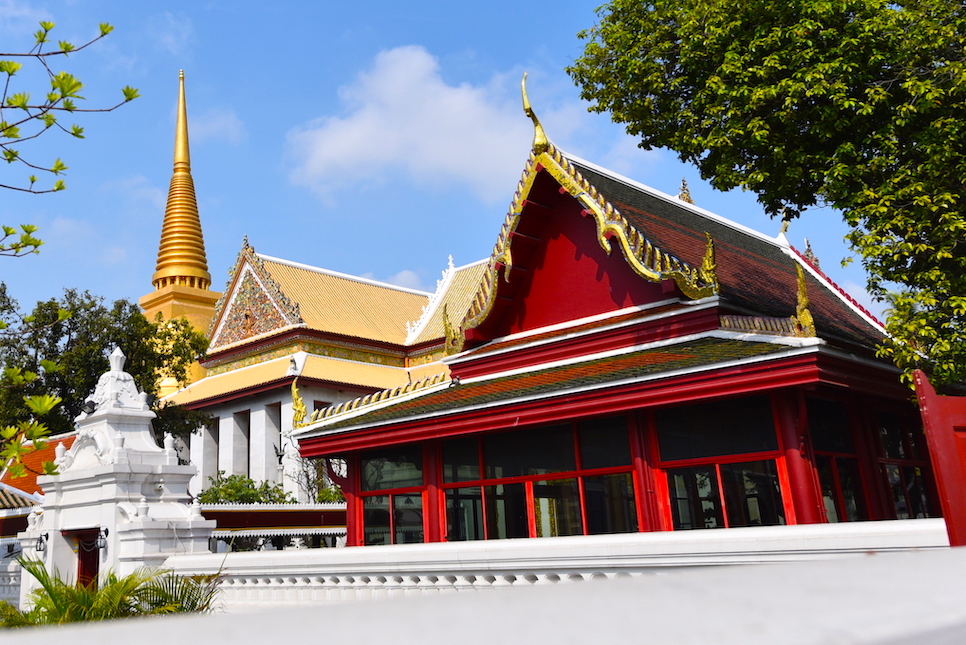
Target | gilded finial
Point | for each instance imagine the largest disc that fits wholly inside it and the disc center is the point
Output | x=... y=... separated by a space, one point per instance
x=685 y=194
x=181 y=256
x=540 y=141
x=809 y=254
x=785 y=222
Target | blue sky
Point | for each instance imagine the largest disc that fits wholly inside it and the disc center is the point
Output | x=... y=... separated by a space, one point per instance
x=373 y=138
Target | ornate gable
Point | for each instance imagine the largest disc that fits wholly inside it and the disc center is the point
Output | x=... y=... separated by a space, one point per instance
x=613 y=230
x=253 y=303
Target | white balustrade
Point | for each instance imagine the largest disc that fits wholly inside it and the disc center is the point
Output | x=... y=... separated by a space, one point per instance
x=261 y=579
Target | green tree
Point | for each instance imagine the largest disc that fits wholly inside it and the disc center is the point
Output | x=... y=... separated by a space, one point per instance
x=78 y=332
x=240 y=489
x=142 y=593
x=855 y=104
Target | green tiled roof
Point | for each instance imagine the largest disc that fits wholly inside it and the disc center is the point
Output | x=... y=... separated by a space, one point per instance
x=547 y=382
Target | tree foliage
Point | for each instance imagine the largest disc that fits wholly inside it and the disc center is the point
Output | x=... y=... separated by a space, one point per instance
x=240 y=489
x=142 y=593
x=78 y=333
x=856 y=104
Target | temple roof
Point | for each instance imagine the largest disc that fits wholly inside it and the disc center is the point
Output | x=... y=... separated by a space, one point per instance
x=756 y=273
x=33 y=462
x=709 y=352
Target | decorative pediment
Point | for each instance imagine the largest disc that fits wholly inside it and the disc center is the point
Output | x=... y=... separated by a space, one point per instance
x=253 y=303
x=613 y=230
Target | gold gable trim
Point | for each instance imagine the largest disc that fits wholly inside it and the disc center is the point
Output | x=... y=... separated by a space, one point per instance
x=288 y=309
x=646 y=259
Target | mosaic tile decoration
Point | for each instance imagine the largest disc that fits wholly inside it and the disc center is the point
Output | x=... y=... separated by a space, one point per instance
x=250 y=313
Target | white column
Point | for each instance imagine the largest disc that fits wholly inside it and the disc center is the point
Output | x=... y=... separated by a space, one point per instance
x=233 y=434
x=204 y=456
x=290 y=462
x=264 y=441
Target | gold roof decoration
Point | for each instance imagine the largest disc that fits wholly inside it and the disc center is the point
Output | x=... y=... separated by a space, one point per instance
x=800 y=325
x=181 y=256
x=685 y=193
x=646 y=259
x=248 y=260
x=383 y=396
x=804 y=323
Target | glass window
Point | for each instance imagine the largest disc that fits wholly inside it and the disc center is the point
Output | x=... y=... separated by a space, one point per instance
x=537 y=451
x=506 y=511
x=752 y=495
x=377 y=527
x=609 y=503
x=828 y=423
x=464 y=514
x=604 y=442
x=714 y=428
x=695 y=500
x=408 y=518
x=749 y=491
x=461 y=460
x=392 y=468
x=556 y=508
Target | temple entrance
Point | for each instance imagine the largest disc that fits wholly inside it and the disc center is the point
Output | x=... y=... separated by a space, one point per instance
x=88 y=554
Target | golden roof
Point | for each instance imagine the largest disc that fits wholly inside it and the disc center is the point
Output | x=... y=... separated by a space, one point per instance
x=453 y=297
x=342 y=304
x=181 y=256
x=320 y=368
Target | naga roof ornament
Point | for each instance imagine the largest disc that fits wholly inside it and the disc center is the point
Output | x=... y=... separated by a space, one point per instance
x=646 y=259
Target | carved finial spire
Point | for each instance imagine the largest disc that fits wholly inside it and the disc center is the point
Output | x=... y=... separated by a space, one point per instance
x=685 y=194
x=181 y=257
x=809 y=254
x=540 y=141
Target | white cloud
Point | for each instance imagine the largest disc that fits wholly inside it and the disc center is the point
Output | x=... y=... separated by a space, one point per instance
x=173 y=32
x=216 y=124
x=139 y=188
x=20 y=18
x=401 y=114
x=406 y=278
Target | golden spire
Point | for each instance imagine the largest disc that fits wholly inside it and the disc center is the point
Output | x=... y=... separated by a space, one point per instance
x=181 y=257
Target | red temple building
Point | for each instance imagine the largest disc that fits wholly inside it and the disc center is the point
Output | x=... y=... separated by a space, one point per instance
x=631 y=362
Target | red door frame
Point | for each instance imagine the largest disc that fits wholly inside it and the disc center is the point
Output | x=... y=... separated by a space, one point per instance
x=88 y=555
x=944 y=422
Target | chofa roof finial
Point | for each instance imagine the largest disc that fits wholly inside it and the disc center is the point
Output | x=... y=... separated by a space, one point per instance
x=540 y=141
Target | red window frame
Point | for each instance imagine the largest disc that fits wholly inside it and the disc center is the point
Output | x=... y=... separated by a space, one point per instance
x=579 y=473
x=662 y=466
x=913 y=443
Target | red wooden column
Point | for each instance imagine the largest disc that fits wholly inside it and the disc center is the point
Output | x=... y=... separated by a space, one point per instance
x=944 y=422
x=790 y=413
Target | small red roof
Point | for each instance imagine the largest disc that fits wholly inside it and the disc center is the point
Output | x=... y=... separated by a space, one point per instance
x=34 y=461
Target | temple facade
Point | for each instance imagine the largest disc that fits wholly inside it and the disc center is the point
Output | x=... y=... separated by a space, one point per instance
x=631 y=362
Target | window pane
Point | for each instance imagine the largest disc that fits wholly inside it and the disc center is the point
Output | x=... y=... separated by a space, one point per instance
x=556 y=507
x=506 y=511
x=827 y=480
x=603 y=442
x=535 y=451
x=392 y=468
x=464 y=514
x=752 y=494
x=408 y=513
x=891 y=434
x=728 y=427
x=828 y=423
x=851 y=482
x=610 y=505
x=461 y=460
x=695 y=503
x=375 y=512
